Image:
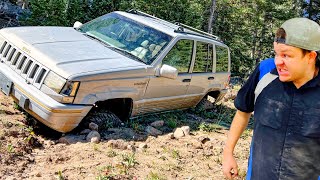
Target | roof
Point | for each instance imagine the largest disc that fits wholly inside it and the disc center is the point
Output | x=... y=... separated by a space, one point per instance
x=163 y=25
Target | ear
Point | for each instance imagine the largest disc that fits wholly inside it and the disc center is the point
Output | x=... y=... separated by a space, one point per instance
x=312 y=55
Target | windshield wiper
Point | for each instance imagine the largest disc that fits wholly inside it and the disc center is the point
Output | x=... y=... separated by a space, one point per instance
x=96 y=38
x=126 y=53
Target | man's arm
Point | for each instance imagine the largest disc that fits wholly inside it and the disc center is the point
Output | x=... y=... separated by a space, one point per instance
x=239 y=124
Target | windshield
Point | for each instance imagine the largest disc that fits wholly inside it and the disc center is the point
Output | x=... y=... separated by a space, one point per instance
x=130 y=36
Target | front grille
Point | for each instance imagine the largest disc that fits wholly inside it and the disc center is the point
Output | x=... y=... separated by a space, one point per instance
x=21 y=63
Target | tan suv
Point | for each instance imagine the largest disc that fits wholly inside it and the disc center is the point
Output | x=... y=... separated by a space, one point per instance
x=126 y=63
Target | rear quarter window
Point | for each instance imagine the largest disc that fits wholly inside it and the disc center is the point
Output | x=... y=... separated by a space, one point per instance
x=222 y=59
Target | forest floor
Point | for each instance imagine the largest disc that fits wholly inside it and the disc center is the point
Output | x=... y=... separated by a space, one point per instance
x=28 y=150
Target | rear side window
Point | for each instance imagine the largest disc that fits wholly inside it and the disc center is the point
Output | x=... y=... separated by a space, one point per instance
x=221 y=59
x=204 y=57
x=180 y=56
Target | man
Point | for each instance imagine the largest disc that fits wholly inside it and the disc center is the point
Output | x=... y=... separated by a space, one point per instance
x=286 y=105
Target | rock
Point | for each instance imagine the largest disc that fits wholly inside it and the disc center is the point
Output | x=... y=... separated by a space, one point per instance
x=117 y=144
x=209 y=145
x=197 y=145
x=131 y=147
x=207 y=153
x=11 y=178
x=231 y=94
x=153 y=131
x=203 y=139
x=48 y=143
x=93 y=134
x=157 y=123
x=143 y=145
x=95 y=140
x=150 y=139
x=170 y=136
x=85 y=131
x=186 y=130
x=93 y=126
x=122 y=133
x=69 y=139
x=38 y=174
x=178 y=133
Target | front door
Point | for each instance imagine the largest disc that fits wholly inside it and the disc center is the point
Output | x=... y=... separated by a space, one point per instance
x=164 y=93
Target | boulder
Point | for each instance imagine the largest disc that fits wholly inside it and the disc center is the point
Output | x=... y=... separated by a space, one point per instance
x=93 y=134
x=153 y=131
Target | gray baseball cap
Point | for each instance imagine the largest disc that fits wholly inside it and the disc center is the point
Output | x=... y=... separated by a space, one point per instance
x=302 y=33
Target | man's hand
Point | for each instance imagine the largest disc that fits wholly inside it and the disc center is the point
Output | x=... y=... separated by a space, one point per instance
x=229 y=165
x=238 y=125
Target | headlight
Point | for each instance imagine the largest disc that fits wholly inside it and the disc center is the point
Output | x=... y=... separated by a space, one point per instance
x=66 y=90
x=54 y=81
x=70 y=89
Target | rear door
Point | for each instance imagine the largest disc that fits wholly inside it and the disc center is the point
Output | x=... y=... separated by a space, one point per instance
x=202 y=74
x=210 y=71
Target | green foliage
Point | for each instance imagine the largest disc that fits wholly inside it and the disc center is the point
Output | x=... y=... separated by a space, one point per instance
x=172 y=122
x=246 y=133
x=175 y=154
x=112 y=153
x=210 y=127
x=16 y=106
x=154 y=176
x=247 y=27
x=77 y=11
x=10 y=148
x=60 y=175
x=311 y=9
x=47 y=13
x=128 y=161
x=106 y=173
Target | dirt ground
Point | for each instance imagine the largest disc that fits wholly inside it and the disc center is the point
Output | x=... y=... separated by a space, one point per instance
x=30 y=151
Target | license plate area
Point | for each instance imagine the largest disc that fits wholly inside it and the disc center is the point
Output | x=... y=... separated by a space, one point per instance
x=5 y=84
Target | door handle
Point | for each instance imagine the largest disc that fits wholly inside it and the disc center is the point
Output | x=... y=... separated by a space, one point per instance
x=210 y=78
x=186 y=80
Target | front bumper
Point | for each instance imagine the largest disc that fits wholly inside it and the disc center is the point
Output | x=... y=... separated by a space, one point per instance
x=60 y=117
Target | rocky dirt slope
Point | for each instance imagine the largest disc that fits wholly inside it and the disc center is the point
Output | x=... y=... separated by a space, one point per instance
x=30 y=151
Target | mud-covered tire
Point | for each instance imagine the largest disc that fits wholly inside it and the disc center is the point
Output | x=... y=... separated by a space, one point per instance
x=204 y=104
x=104 y=119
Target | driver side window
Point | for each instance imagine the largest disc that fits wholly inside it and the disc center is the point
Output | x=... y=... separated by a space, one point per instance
x=180 y=56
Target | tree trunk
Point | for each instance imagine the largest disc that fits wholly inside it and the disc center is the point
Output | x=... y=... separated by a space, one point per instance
x=310 y=9
x=254 y=44
x=263 y=32
x=210 y=21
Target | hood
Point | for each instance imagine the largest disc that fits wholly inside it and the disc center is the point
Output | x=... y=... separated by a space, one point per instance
x=67 y=51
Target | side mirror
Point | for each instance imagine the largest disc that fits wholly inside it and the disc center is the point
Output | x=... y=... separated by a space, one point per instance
x=77 y=25
x=168 y=72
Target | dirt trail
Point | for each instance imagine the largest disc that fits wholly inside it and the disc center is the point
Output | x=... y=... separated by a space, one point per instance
x=26 y=153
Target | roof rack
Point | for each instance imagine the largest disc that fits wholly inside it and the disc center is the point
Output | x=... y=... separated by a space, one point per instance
x=181 y=27
x=134 y=11
x=196 y=30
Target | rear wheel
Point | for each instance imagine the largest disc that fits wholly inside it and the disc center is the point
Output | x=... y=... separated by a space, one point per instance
x=206 y=103
x=104 y=119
